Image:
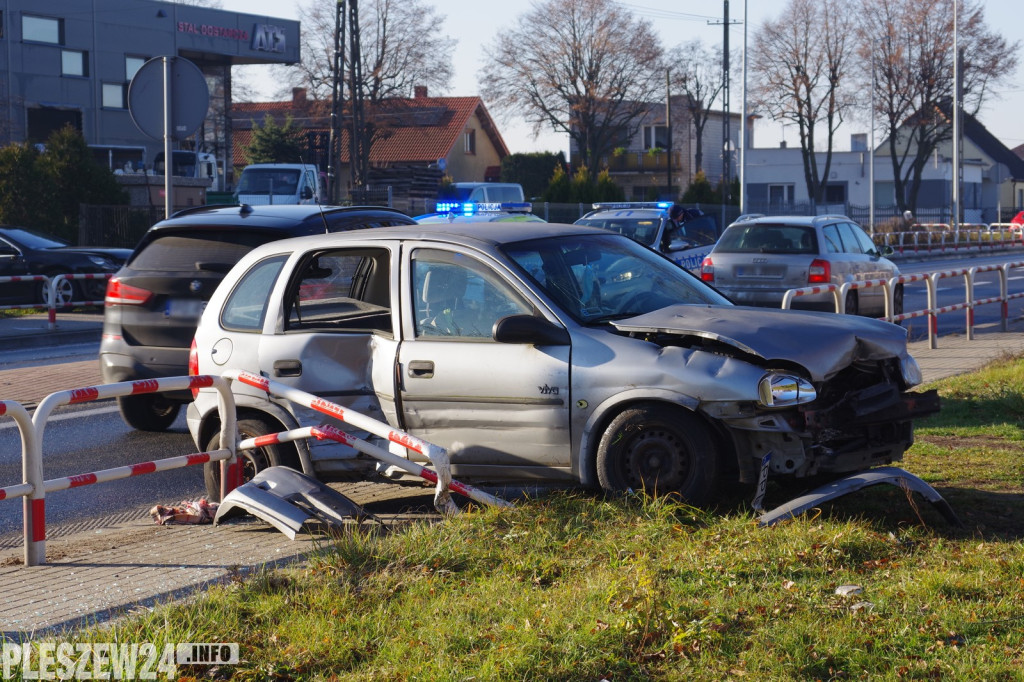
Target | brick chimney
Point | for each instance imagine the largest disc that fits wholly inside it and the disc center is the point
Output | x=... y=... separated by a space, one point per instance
x=298 y=97
x=420 y=91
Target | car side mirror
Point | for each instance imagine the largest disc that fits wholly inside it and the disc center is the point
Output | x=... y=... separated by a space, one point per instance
x=307 y=192
x=529 y=329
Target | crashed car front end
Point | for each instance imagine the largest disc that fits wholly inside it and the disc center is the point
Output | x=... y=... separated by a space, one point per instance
x=833 y=397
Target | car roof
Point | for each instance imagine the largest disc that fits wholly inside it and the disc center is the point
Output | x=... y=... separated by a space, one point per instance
x=646 y=209
x=268 y=217
x=473 y=235
x=792 y=220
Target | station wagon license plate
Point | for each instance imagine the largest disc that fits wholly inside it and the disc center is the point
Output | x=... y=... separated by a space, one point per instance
x=191 y=308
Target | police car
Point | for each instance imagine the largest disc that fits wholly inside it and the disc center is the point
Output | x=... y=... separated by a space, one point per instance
x=686 y=241
x=475 y=212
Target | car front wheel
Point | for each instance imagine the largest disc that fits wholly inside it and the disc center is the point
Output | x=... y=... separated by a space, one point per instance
x=252 y=461
x=148 y=412
x=659 y=449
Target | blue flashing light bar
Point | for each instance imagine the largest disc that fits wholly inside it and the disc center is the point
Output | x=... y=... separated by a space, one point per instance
x=469 y=207
x=612 y=205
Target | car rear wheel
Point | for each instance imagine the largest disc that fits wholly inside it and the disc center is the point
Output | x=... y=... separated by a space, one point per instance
x=659 y=449
x=897 y=300
x=149 y=412
x=851 y=303
x=252 y=461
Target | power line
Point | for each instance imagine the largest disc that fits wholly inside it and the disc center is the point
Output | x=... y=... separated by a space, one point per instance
x=664 y=14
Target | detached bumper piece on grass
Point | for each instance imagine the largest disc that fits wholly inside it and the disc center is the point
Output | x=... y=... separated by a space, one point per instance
x=287 y=500
x=850 y=484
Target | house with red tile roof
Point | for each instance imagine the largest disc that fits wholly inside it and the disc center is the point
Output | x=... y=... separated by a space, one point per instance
x=449 y=135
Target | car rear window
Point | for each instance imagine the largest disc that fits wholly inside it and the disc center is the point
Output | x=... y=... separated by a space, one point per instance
x=215 y=250
x=768 y=238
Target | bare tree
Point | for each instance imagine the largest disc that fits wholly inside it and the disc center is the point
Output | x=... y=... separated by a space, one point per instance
x=801 y=65
x=402 y=44
x=587 y=68
x=696 y=73
x=910 y=43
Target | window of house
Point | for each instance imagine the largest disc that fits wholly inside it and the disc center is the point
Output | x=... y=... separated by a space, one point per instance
x=132 y=64
x=470 y=140
x=780 y=195
x=655 y=137
x=835 y=194
x=42 y=29
x=73 y=63
x=113 y=96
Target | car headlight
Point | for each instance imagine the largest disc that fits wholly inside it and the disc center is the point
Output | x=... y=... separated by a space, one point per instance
x=102 y=262
x=784 y=390
x=911 y=371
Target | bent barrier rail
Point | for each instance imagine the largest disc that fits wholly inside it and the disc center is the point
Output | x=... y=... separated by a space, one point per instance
x=34 y=488
x=438 y=456
x=53 y=286
x=931 y=280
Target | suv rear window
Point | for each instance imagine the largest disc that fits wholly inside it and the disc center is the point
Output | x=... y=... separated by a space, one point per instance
x=215 y=250
x=768 y=238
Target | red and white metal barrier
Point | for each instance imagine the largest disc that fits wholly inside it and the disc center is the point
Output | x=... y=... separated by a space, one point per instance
x=34 y=487
x=55 y=284
x=438 y=456
x=25 y=278
x=787 y=298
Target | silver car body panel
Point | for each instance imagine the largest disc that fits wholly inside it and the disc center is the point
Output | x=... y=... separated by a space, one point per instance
x=519 y=410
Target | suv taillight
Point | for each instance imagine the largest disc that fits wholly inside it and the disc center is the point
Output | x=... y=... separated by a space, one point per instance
x=820 y=272
x=707 y=270
x=119 y=293
x=193 y=365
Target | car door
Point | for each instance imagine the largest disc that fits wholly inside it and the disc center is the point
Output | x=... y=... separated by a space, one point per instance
x=333 y=332
x=13 y=264
x=489 y=403
x=858 y=266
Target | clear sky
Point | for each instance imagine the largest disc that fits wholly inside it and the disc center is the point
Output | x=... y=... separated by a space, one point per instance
x=474 y=24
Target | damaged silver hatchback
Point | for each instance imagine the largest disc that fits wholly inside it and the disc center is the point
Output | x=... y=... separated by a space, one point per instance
x=548 y=352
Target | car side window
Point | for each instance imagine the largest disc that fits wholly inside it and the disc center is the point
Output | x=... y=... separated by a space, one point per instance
x=866 y=245
x=832 y=242
x=341 y=290
x=246 y=307
x=458 y=297
x=850 y=242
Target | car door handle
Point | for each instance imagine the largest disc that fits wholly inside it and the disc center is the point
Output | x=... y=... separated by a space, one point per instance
x=287 y=368
x=421 y=369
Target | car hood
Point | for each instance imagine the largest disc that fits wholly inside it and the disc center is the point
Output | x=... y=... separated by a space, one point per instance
x=822 y=343
x=114 y=254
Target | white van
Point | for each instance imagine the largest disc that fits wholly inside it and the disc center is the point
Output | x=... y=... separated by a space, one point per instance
x=279 y=183
x=484 y=192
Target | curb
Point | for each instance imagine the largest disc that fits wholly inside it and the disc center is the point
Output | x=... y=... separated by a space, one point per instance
x=49 y=339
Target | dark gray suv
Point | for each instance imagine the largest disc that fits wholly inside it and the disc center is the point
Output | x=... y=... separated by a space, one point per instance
x=154 y=301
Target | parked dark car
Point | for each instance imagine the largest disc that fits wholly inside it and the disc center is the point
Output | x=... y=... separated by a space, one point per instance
x=27 y=252
x=154 y=302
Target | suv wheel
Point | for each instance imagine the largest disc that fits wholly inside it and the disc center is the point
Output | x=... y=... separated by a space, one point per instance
x=252 y=461
x=659 y=449
x=148 y=412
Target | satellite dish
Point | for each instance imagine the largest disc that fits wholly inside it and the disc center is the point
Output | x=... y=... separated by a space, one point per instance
x=189 y=95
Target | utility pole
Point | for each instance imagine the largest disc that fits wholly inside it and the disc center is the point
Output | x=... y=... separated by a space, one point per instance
x=956 y=124
x=334 y=144
x=357 y=143
x=726 y=141
x=668 y=125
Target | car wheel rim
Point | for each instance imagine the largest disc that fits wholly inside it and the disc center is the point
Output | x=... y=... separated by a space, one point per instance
x=64 y=293
x=656 y=458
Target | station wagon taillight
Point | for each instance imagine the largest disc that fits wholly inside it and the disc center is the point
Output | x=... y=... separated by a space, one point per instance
x=193 y=365
x=707 y=270
x=820 y=272
x=119 y=293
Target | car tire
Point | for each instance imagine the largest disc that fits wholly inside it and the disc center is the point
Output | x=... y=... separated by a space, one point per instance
x=851 y=305
x=65 y=292
x=897 y=300
x=253 y=461
x=659 y=449
x=148 y=412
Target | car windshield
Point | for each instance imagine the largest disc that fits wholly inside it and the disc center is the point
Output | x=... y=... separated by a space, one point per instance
x=33 y=240
x=768 y=238
x=643 y=230
x=268 y=181
x=597 y=278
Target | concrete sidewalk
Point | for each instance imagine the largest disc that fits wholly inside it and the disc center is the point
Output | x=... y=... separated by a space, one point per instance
x=104 y=572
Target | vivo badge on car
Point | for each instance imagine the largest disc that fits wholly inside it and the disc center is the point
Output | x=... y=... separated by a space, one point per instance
x=109 y=660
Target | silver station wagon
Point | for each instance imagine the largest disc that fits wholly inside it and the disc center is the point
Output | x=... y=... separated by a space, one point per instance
x=534 y=351
x=758 y=259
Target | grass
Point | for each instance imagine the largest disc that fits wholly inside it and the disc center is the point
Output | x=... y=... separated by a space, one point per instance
x=577 y=587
